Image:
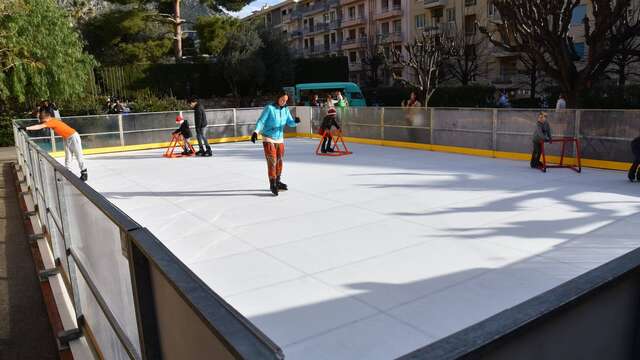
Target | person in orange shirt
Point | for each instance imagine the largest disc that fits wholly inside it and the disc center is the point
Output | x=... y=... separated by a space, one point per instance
x=72 y=143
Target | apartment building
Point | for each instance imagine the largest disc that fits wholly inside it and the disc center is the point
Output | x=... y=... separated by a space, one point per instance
x=352 y=27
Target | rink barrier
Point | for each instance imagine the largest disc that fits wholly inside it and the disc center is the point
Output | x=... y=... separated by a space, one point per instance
x=500 y=133
x=599 y=164
x=128 y=296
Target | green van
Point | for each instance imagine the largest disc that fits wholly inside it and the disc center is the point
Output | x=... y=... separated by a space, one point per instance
x=302 y=92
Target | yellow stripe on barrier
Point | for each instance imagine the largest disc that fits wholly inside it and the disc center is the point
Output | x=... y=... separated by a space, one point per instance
x=600 y=164
x=112 y=149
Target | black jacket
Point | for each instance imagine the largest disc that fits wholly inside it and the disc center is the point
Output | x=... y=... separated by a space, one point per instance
x=635 y=147
x=184 y=130
x=542 y=133
x=200 y=116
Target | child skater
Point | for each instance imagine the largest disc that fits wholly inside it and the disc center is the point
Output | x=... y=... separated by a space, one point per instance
x=70 y=137
x=634 y=174
x=185 y=132
x=542 y=133
x=327 y=122
x=271 y=125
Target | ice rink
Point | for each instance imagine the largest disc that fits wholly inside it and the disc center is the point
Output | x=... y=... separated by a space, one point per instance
x=379 y=253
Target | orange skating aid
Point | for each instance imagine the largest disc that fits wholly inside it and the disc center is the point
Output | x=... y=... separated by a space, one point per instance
x=339 y=148
x=177 y=142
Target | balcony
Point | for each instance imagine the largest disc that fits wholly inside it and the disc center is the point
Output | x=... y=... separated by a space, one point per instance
x=346 y=22
x=316 y=28
x=432 y=4
x=317 y=7
x=317 y=50
x=296 y=34
x=390 y=37
x=347 y=2
x=353 y=43
x=389 y=12
x=505 y=78
x=333 y=25
x=356 y=66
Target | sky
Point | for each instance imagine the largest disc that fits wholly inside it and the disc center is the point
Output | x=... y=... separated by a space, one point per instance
x=256 y=5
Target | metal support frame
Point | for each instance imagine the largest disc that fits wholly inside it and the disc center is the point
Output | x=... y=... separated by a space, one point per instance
x=44 y=275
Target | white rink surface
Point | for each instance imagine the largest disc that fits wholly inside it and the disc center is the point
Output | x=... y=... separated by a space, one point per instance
x=379 y=253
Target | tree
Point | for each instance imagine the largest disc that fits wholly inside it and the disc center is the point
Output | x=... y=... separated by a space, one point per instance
x=124 y=36
x=541 y=29
x=373 y=60
x=212 y=32
x=168 y=11
x=626 y=62
x=242 y=68
x=41 y=53
x=424 y=57
x=275 y=56
x=464 y=66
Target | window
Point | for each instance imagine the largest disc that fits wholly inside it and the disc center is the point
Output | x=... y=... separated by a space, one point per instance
x=387 y=52
x=397 y=26
x=396 y=5
x=352 y=57
x=384 y=4
x=384 y=28
x=579 y=49
x=436 y=14
x=360 y=55
x=451 y=14
x=469 y=2
x=493 y=11
x=284 y=12
x=326 y=18
x=420 y=20
x=352 y=34
x=470 y=24
x=579 y=13
x=333 y=38
x=306 y=43
x=332 y=16
x=352 y=13
x=361 y=11
x=362 y=33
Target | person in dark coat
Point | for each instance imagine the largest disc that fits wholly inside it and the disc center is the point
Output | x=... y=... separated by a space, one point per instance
x=542 y=133
x=327 y=122
x=634 y=174
x=201 y=127
x=186 y=133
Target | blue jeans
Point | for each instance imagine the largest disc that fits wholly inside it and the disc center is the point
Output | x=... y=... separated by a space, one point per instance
x=201 y=135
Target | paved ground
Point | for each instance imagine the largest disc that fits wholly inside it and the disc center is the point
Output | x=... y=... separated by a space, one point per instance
x=25 y=333
x=373 y=255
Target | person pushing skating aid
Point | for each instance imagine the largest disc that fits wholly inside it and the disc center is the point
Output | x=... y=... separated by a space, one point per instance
x=634 y=171
x=327 y=122
x=70 y=137
x=185 y=132
x=542 y=133
x=271 y=125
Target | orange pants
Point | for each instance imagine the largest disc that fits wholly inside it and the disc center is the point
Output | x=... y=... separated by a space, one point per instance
x=273 y=153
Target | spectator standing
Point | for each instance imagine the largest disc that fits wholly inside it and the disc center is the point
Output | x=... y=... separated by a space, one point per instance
x=561 y=104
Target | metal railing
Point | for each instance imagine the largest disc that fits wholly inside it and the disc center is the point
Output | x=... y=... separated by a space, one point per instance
x=131 y=296
x=604 y=134
x=135 y=300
